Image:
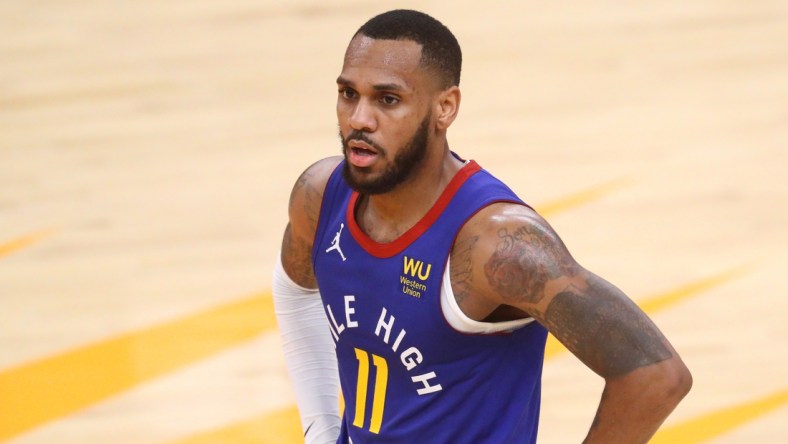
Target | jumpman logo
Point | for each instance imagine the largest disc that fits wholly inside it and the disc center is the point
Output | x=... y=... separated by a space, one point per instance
x=335 y=243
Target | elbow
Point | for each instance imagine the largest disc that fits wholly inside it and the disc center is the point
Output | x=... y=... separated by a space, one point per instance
x=676 y=381
x=686 y=380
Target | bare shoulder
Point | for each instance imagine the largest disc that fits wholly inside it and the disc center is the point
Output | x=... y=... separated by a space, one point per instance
x=508 y=254
x=307 y=193
x=304 y=210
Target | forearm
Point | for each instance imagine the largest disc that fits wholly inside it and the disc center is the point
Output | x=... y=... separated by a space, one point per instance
x=309 y=356
x=634 y=405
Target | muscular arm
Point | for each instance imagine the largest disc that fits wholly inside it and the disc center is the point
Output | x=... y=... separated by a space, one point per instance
x=519 y=262
x=304 y=209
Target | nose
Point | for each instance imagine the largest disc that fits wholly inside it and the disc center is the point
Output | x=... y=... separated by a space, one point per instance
x=362 y=117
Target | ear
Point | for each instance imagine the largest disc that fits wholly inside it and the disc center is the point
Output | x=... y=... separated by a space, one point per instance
x=447 y=107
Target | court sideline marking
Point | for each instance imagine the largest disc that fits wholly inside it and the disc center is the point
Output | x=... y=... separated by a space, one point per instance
x=716 y=423
x=27 y=240
x=43 y=390
x=279 y=427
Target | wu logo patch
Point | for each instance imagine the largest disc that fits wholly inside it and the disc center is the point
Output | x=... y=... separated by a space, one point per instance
x=416 y=268
x=335 y=243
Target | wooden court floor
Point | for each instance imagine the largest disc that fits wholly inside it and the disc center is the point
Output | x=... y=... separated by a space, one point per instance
x=147 y=150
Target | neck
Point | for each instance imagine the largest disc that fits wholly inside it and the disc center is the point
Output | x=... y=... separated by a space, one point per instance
x=385 y=217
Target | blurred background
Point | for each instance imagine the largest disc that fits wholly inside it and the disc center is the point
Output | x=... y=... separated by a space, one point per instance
x=147 y=150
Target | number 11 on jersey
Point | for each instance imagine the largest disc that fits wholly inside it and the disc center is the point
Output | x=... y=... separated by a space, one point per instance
x=379 y=395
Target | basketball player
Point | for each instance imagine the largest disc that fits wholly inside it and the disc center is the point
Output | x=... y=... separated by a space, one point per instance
x=425 y=288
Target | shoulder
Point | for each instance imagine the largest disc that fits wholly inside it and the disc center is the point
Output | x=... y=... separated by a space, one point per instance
x=501 y=215
x=321 y=170
x=505 y=221
x=315 y=177
x=307 y=192
x=511 y=255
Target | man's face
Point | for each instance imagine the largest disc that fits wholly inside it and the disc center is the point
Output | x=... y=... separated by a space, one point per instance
x=384 y=113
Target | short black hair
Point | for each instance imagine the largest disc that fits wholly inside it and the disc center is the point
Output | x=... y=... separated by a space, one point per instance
x=439 y=48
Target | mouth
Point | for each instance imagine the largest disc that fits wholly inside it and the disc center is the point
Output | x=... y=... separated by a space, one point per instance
x=361 y=154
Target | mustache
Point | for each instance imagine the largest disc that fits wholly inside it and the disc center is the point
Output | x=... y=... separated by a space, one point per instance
x=362 y=137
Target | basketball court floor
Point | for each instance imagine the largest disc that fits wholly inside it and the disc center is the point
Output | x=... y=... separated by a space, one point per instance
x=147 y=150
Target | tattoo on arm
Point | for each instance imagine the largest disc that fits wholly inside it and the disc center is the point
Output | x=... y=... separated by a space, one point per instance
x=311 y=198
x=304 y=204
x=297 y=260
x=524 y=261
x=605 y=329
x=461 y=269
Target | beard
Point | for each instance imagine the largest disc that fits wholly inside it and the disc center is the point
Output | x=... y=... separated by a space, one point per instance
x=400 y=169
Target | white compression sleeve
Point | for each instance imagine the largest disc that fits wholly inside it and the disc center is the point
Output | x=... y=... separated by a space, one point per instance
x=309 y=355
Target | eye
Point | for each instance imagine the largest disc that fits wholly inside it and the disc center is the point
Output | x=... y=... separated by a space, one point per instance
x=347 y=93
x=389 y=100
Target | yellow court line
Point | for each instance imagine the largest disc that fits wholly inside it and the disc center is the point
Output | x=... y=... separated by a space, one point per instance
x=41 y=391
x=716 y=423
x=661 y=301
x=664 y=300
x=582 y=197
x=283 y=426
x=24 y=241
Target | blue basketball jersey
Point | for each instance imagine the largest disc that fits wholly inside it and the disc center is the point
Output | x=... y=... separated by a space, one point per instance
x=407 y=376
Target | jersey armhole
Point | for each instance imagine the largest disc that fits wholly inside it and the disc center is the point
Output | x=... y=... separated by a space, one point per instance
x=462 y=323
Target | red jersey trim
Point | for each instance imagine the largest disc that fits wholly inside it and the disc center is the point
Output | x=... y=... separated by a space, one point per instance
x=390 y=249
